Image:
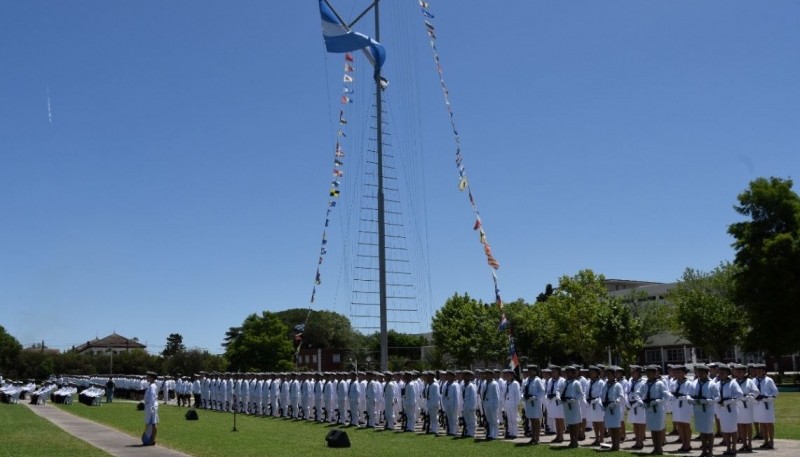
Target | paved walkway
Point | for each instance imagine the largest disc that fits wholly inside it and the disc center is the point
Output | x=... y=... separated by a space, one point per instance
x=108 y=439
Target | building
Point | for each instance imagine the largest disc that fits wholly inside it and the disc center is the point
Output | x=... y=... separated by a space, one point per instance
x=112 y=343
x=665 y=348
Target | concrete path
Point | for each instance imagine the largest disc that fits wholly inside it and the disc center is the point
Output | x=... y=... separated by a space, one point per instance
x=108 y=439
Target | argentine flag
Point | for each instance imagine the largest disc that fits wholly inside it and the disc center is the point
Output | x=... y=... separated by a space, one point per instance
x=338 y=39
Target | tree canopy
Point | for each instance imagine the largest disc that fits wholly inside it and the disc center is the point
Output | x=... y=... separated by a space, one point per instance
x=262 y=345
x=467 y=330
x=174 y=345
x=705 y=312
x=9 y=350
x=768 y=264
x=324 y=329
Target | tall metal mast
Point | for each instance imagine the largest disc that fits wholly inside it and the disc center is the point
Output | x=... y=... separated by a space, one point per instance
x=381 y=227
x=380 y=196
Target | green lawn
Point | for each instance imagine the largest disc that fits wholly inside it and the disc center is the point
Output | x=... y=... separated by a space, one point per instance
x=787 y=416
x=24 y=434
x=211 y=436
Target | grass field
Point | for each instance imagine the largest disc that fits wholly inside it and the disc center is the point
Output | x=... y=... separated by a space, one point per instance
x=211 y=436
x=26 y=434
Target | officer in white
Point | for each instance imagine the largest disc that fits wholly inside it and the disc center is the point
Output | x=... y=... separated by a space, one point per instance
x=353 y=397
x=745 y=407
x=371 y=394
x=511 y=404
x=389 y=401
x=470 y=404
x=452 y=403
x=432 y=401
x=595 y=413
x=764 y=411
x=409 y=393
x=654 y=393
x=491 y=397
x=533 y=392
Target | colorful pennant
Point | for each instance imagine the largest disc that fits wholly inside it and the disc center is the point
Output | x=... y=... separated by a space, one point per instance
x=463 y=182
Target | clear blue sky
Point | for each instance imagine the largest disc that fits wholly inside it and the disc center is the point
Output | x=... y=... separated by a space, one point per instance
x=181 y=181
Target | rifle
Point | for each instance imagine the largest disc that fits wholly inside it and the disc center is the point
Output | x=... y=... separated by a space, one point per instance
x=403 y=419
x=426 y=422
x=505 y=422
x=463 y=425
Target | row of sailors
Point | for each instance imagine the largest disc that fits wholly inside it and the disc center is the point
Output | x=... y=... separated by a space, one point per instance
x=735 y=401
x=13 y=391
x=134 y=386
x=92 y=395
x=572 y=401
x=42 y=394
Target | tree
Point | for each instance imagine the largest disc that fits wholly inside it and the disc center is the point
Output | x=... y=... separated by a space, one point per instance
x=573 y=308
x=323 y=329
x=705 y=311
x=467 y=330
x=619 y=329
x=231 y=335
x=193 y=361
x=261 y=346
x=9 y=351
x=768 y=259
x=174 y=345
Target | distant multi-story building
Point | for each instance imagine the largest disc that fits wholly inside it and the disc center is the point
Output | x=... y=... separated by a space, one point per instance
x=667 y=348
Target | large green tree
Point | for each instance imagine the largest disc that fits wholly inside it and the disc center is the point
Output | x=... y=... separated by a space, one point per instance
x=768 y=259
x=467 y=330
x=262 y=345
x=705 y=311
x=9 y=350
x=572 y=311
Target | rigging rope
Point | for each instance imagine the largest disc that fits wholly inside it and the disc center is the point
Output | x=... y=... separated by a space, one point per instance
x=463 y=183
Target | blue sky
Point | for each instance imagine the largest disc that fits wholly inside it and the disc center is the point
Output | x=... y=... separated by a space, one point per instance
x=181 y=181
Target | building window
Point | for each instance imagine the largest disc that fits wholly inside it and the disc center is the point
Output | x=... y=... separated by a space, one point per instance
x=700 y=354
x=675 y=355
x=307 y=358
x=314 y=358
x=337 y=358
x=652 y=356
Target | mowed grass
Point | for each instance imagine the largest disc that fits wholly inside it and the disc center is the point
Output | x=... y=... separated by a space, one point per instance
x=24 y=434
x=787 y=416
x=211 y=436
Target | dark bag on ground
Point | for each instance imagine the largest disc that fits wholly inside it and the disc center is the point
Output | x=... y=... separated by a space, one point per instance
x=191 y=415
x=337 y=438
x=140 y=406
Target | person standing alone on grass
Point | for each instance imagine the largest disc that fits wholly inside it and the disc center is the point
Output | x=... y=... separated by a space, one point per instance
x=110 y=390
x=150 y=411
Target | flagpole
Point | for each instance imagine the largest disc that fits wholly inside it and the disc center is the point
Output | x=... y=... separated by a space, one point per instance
x=381 y=228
